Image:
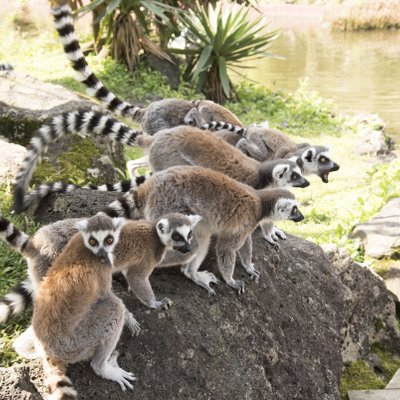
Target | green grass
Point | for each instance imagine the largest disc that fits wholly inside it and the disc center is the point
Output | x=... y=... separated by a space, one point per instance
x=12 y=271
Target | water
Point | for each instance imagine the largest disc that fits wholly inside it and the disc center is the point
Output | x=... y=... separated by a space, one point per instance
x=359 y=70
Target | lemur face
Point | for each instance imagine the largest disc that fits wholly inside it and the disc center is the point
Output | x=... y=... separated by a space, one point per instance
x=288 y=174
x=316 y=160
x=176 y=231
x=287 y=209
x=100 y=235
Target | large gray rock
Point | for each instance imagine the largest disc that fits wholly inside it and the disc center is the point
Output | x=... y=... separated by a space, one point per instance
x=26 y=103
x=283 y=339
x=381 y=234
x=11 y=157
x=370 y=308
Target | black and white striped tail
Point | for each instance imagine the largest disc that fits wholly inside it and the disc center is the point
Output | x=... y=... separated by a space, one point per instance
x=219 y=125
x=65 y=27
x=16 y=301
x=6 y=67
x=58 y=384
x=12 y=235
x=79 y=122
x=60 y=187
x=126 y=206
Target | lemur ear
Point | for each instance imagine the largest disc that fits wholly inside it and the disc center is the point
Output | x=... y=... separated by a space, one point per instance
x=195 y=219
x=280 y=170
x=82 y=225
x=118 y=222
x=299 y=162
x=163 y=225
x=309 y=154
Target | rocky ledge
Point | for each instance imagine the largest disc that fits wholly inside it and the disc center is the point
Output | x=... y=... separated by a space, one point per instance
x=284 y=338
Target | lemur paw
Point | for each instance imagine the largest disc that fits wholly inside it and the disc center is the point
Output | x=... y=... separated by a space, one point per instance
x=132 y=324
x=203 y=279
x=273 y=242
x=110 y=370
x=254 y=274
x=238 y=285
x=278 y=233
x=165 y=303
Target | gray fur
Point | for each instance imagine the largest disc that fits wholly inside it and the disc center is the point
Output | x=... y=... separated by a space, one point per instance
x=47 y=243
x=232 y=213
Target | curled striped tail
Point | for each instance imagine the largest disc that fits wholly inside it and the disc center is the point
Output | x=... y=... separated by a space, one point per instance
x=6 y=67
x=65 y=27
x=126 y=206
x=219 y=125
x=16 y=301
x=58 y=384
x=80 y=122
x=44 y=190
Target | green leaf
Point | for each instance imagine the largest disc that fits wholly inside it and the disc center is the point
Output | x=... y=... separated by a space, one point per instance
x=223 y=73
x=204 y=61
x=112 y=6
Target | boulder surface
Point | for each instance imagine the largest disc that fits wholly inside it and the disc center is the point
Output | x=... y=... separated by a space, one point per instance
x=26 y=103
x=282 y=339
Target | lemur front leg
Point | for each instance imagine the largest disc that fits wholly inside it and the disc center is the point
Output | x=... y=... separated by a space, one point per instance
x=254 y=147
x=104 y=361
x=226 y=248
x=271 y=234
x=245 y=255
x=202 y=236
x=139 y=283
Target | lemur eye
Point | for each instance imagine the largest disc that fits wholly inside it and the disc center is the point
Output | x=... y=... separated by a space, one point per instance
x=92 y=241
x=109 y=240
x=294 y=210
x=190 y=235
x=176 y=236
x=294 y=176
x=322 y=159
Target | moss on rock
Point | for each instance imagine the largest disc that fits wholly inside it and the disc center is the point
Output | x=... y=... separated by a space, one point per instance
x=359 y=375
x=75 y=163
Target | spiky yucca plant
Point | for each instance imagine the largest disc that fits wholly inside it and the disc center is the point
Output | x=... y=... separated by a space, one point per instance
x=219 y=38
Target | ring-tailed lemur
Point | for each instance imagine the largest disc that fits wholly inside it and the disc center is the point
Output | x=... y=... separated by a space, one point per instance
x=232 y=213
x=264 y=144
x=159 y=114
x=191 y=146
x=142 y=246
x=76 y=316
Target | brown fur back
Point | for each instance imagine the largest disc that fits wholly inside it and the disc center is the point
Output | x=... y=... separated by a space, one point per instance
x=76 y=280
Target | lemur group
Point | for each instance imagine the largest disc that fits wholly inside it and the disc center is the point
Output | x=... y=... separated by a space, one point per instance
x=210 y=176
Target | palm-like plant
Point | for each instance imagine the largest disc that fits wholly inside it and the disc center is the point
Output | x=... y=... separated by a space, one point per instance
x=218 y=38
x=127 y=24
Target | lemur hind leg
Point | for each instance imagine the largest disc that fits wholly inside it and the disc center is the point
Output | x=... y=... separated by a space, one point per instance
x=254 y=147
x=191 y=269
x=139 y=283
x=245 y=256
x=133 y=165
x=226 y=256
x=110 y=313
